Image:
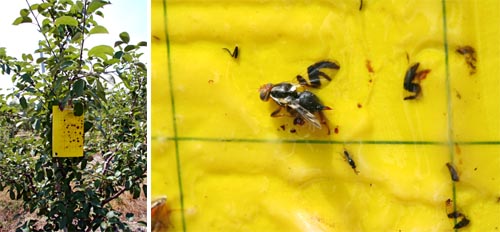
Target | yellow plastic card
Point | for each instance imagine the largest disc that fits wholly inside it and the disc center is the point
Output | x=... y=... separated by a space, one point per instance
x=67 y=133
x=226 y=165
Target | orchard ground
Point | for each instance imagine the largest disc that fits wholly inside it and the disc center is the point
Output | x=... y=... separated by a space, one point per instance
x=12 y=214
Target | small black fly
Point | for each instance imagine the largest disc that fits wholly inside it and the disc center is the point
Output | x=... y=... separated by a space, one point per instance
x=233 y=54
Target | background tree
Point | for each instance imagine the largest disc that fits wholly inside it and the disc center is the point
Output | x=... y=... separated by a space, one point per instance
x=74 y=193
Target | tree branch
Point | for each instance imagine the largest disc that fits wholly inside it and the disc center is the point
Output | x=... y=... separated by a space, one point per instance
x=117 y=194
x=84 y=15
x=114 y=196
x=40 y=28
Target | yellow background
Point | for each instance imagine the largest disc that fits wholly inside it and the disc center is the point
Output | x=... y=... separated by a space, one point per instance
x=240 y=171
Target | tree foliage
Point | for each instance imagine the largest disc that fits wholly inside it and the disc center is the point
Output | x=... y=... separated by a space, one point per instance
x=74 y=193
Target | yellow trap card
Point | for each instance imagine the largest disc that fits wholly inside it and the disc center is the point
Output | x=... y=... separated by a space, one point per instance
x=412 y=147
x=67 y=133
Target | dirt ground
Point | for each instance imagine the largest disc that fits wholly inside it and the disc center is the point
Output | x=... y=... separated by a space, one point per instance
x=13 y=215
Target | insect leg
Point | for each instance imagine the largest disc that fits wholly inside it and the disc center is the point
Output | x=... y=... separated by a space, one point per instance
x=302 y=81
x=314 y=72
x=276 y=112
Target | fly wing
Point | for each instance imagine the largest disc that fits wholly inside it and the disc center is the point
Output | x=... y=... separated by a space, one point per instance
x=310 y=117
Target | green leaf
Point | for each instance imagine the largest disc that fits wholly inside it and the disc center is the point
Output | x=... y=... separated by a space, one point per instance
x=59 y=81
x=136 y=192
x=27 y=57
x=100 y=90
x=64 y=101
x=124 y=37
x=98 y=30
x=141 y=66
x=24 y=12
x=104 y=225
x=34 y=6
x=40 y=60
x=99 y=13
x=101 y=51
x=129 y=48
x=142 y=44
x=97 y=183
x=78 y=109
x=3 y=52
x=36 y=124
x=66 y=20
x=118 y=43
x=111 y=61
x=128 y=184
x=78 y=87
x=118 y=55
x=98 y=67
x=129 y=216
x=94 y=5
x=26 y=78
x=76 y=8
x=22 y=20
x=125 y=80
x=83 y=165
x=76 y=37
x=127 y=57
x=23 y=102
x=67 y=64
x=12 y=194
x=43 y=6
x=111 y=214
x=46 y=23
x=87 y=126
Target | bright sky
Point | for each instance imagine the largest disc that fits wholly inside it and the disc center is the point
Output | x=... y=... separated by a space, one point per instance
x=120 y=16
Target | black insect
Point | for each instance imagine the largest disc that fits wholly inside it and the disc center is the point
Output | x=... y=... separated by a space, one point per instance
x=301 y=104
x=350 y=161
x=235 y=52
x=412 y=76
x=455 y=214
x=462 y=223
x=470 y=57
x=453 y=172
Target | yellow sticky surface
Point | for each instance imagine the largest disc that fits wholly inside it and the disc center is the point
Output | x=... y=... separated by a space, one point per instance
x=67 y=133
x=226 y=165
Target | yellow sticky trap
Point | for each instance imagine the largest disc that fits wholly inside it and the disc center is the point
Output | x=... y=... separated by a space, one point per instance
x=67 y=133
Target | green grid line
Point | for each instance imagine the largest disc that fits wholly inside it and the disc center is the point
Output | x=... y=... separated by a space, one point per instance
x=313 y=141
x=174 y=121
x=448 y=98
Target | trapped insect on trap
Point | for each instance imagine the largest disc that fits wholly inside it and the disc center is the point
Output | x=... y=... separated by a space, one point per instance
x=67 y=133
